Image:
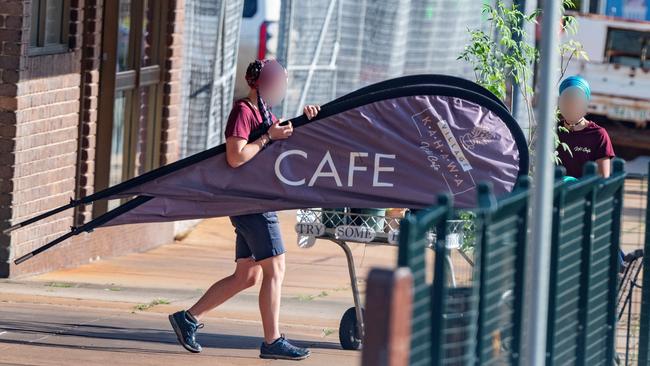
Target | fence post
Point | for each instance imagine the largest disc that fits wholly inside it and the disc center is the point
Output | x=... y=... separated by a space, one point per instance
x=439 y=287
x=411 y=255
x=558 y=204
x=585 y=270
x=389 y=301
x=617 y=171
x=486 y=203
x=644 y=334
x=407 y=231
x=523 y=184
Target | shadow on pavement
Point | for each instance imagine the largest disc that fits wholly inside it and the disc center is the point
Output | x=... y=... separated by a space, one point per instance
x=96 y=331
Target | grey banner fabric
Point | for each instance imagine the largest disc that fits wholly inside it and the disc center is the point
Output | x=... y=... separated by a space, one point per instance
x=391 y=151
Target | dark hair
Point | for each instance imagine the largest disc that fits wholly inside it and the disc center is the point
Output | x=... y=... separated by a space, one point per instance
x=253 y=72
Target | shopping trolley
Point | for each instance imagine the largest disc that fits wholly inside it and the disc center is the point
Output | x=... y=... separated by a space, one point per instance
x=342 y=226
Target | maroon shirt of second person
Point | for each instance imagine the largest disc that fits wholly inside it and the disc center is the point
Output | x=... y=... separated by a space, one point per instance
x=589 y=144
x=244 y=120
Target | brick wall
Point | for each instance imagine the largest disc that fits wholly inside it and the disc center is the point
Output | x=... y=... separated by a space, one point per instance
x=11 y=33
x=48 y=116
x=45 y=143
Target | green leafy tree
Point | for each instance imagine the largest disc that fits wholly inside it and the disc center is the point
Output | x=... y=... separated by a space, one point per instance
x=504 y=52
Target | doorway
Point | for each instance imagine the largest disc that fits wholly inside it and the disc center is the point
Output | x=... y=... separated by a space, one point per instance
x=130 y=97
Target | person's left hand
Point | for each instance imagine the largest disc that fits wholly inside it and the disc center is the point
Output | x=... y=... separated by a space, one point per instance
x=311 y=110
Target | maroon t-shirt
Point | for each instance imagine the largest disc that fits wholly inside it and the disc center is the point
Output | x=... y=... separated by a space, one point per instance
x=589 y=144
x=244 y=120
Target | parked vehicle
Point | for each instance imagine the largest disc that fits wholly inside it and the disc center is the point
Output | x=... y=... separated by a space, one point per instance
x=619 y=73
x=258 y=37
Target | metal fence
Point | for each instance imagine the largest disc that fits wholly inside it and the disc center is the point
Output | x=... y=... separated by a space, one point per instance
x=482 y=323
x=211 y=40
x=413 y=245
x=502 y=244
x=633 y=238
x=644 y=318
x=596 y=233
x=331 y=48
x=310 y=33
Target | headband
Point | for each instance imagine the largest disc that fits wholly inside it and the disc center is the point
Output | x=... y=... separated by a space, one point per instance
x=576 y=82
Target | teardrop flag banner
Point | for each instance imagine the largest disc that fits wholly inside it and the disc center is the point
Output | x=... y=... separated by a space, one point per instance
x=398 y=143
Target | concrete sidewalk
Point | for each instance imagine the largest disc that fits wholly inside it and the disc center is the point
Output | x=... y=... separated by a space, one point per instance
x=129 y=297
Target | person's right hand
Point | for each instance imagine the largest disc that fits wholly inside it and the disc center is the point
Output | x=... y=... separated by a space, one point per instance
x=277 y=132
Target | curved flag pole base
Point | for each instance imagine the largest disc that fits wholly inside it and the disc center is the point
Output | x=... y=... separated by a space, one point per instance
x=87 y=227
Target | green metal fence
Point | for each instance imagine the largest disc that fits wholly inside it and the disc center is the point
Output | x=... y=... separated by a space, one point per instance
x=483 y=324
x=414 y=241
x=644 y=336
x=601 y=274
x=572 y=211
x=502 y=252
x=630 y=289
x=584 y=268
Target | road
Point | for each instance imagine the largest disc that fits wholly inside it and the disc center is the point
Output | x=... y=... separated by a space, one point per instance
x=114 y=311
x=45 y=334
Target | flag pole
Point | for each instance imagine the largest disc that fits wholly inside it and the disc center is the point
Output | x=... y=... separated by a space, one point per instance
x=123 y=186
x=154 y=174
x=88 y=227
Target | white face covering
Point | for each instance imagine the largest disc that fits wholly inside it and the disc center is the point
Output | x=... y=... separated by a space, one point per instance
x=277 y=91
x=272 y=84
x=573 y=104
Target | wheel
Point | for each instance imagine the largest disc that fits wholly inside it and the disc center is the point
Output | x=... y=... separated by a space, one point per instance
x=348 y=334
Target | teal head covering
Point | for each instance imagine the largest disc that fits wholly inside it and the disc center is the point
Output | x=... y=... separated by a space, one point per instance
x=569 y=179
x=576 y=81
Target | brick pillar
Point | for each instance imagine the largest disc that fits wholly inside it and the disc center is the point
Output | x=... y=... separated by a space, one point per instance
x=90 y=69
x=169 y=149
x=11 y=34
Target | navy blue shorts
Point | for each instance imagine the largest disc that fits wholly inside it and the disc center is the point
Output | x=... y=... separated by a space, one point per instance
x=258 y=236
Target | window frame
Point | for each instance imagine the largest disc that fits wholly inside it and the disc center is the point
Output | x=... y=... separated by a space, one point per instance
x=132 y=81
x=645 y=46
x=55 y=48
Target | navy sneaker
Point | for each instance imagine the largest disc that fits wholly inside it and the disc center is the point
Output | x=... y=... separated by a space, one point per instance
x=281 y=349
x=185 y=326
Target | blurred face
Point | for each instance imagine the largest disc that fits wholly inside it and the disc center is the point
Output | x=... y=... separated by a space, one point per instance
x=277 y=90
x=273 y=83
x=573 y=104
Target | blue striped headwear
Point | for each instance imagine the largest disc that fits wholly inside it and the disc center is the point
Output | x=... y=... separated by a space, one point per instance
x=577 y=82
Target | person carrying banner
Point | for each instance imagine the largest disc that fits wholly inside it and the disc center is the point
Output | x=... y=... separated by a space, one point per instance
x=259 y=250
